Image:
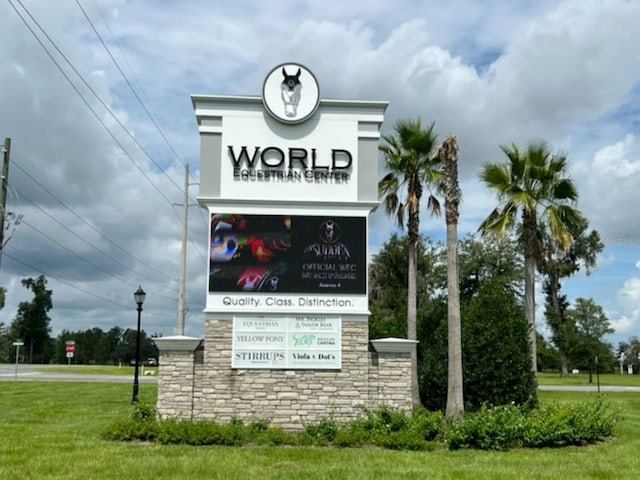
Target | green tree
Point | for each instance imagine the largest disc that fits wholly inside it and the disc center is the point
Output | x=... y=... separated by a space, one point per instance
x=114 y=338
x=411 y=166
x=32 y=320
x=533 y=183
x=631 y=351
x=492 y=314
x=388 y=285
x=95 y=346
x=491 y=277
x=481 y=261
x=496 y=376
x=591 y=325
x=5 y=343
x=448 y=155
x=554 y=265
x=548 y=358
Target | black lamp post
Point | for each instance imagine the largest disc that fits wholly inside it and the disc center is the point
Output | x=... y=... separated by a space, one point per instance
x=139 y=298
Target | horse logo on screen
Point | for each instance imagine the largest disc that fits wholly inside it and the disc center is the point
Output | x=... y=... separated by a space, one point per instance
x=329 y=231
x=283 y=94
x=291 y=88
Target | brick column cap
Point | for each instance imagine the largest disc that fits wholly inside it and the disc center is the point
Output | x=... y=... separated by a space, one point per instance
x=177 y=342
x=393 y=345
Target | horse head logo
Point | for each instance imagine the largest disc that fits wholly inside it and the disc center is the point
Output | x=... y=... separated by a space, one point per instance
x=329 y=231
x=282 y=93
x=290 y=88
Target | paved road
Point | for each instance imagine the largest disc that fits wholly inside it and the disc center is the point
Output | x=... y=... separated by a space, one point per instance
x=27 y=373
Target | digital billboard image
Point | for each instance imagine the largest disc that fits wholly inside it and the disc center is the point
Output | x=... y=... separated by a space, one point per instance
x=287 y=254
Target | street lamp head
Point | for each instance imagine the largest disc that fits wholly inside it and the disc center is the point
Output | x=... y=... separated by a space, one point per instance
x=139 y=296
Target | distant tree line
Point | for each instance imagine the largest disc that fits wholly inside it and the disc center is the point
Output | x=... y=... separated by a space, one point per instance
x=95 y=346
x=31 y=325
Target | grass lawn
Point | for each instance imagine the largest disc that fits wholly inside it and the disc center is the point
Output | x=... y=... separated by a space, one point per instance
x=51 y=430
x=624 y=380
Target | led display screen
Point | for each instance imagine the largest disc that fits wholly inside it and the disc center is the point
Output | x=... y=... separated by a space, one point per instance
x=287 y=254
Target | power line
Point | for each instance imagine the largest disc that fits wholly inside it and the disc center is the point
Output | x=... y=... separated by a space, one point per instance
x=104 y=299
x=89 y=224
x=105 y=106
x=73 y=286
x=93 y=111
x=135 y=93
x=115 y=40
x=86 y=222
x=89 y=262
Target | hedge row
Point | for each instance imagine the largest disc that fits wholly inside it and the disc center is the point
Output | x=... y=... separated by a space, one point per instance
x=497 y=428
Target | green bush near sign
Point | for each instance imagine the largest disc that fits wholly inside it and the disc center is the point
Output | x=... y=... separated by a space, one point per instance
x=499 y=428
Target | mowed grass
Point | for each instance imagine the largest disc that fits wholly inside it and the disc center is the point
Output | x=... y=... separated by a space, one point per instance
x=582 y=379
x=52 y=430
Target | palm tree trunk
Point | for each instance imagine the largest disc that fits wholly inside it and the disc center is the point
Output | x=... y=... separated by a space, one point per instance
x=530 y=306
x=448 y=154
x=455 y=397
x=529 y=229
x=412 y=312
x=553 y=287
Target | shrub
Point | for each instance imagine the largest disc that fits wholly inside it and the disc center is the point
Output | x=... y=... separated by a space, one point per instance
x=498 y=428
x=553 y=425
x=141 y=425
x=489 y=428
x=429 y=424
x=569 y=424
x=321 y=433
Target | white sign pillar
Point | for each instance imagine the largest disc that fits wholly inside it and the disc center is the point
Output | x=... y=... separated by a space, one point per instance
x=289 y=180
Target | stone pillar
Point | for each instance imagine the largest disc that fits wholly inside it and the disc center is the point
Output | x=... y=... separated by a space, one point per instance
x=177 y=375
x=390 y=373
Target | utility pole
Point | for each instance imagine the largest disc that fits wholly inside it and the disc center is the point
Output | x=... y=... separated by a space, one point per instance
x=3 y=189
x=183 y=253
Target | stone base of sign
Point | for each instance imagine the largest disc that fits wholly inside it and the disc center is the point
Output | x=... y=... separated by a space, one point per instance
x=200 y=383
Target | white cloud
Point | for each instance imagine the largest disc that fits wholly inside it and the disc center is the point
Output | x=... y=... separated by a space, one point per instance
x=613 y=159
x=501 y=72
x=626 y=317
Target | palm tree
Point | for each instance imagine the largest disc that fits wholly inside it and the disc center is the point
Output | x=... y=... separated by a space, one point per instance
x=411 y=166
x=534 y=183
x=448 y=155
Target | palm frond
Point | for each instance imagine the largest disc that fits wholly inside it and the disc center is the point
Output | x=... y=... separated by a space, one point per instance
x=433 y=205
x=564 y=189
x=409 y=161
x=498 y=222
x=496 y=176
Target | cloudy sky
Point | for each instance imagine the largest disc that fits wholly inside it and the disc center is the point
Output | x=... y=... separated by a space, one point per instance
x=96 y=100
